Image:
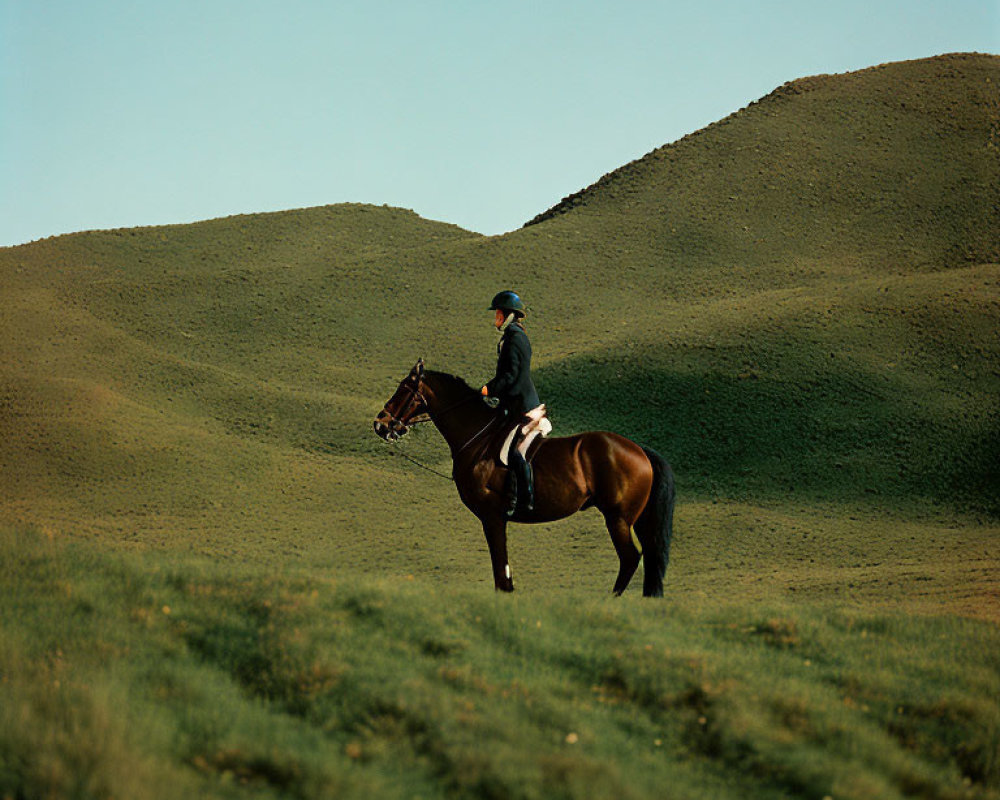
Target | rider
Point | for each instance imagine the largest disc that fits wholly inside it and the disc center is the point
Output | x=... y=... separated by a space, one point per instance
x=517 y=394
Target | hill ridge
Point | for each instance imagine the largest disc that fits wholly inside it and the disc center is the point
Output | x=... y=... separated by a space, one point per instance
x=788 y=90
x=247 y=217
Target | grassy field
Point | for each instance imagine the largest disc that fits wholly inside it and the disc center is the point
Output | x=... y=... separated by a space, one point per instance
x=217 y=581
x=151 y=676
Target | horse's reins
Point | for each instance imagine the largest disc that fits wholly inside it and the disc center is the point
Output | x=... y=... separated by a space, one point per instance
x=423 y=466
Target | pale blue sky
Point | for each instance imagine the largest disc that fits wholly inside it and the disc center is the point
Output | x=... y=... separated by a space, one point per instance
x=116 y=113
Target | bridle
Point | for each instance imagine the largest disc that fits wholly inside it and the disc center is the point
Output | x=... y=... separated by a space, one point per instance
x=415 y=405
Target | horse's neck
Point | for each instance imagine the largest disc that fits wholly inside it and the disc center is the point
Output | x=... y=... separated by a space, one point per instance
x=458 y=417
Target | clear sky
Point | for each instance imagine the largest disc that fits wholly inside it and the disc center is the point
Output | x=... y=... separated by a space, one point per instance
x=483 y=113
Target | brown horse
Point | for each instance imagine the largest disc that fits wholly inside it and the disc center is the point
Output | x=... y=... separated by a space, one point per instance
x=630 y=485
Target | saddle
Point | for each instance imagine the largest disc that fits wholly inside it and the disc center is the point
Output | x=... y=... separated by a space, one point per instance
x=535 y=424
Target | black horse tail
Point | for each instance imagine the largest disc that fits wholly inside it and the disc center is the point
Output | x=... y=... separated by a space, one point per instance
x=655 y=526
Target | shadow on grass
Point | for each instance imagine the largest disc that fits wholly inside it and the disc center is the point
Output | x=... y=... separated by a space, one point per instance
x=734 y=431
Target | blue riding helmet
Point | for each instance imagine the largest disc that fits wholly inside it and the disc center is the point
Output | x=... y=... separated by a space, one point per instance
x=508 y=301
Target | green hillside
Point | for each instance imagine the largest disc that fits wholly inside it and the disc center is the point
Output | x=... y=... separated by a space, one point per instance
x=888 y=170
x=798 y=306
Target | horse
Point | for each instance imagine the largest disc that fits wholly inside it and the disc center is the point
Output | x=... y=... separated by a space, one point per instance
x=631 y=485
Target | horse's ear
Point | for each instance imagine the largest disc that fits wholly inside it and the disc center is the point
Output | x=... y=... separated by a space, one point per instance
x=419 y=367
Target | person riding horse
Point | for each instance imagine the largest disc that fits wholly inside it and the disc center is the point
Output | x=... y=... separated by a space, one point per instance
x=518 y=397
x=632 y=486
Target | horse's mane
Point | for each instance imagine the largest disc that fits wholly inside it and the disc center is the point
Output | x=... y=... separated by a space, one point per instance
x=451 y=382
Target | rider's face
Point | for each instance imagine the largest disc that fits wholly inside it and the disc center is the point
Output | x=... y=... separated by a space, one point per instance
x=498 y=319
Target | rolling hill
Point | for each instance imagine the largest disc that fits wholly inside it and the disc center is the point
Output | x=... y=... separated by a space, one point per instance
x=800 y=298
x=797 y=305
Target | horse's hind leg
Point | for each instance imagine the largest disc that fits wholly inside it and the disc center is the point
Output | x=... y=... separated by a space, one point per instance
x=628 y=555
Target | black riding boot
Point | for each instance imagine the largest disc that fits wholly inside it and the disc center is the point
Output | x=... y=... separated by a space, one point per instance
x=523 y=485
x=511 y=488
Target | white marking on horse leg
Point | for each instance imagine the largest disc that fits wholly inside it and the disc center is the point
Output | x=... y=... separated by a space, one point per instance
x=506 y=571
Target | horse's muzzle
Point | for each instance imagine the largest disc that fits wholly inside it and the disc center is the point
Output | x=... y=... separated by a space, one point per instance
x=389 y=428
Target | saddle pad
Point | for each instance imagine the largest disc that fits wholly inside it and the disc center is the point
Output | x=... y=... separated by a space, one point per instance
x=544 y=428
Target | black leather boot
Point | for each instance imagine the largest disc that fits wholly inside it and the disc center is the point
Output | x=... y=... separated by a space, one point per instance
x=511 y=489
x=524 y=483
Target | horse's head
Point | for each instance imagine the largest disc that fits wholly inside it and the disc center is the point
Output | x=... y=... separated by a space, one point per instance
x=406 y=407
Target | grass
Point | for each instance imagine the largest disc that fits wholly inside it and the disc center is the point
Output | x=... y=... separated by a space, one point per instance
x=158 y=676
x=218 y=582
x=785 y=401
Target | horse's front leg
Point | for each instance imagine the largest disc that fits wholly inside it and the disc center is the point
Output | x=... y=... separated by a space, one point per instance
x=495 y=529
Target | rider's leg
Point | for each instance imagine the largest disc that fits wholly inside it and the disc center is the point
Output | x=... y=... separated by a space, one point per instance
x=512 y=477
x=524 y=481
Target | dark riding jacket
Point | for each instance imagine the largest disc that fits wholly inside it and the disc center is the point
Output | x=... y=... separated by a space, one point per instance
x=512 y=383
